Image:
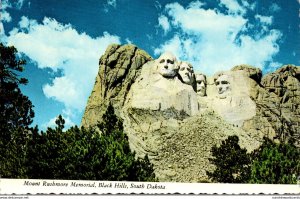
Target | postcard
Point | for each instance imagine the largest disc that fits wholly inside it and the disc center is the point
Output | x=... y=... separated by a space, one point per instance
x=119 y=96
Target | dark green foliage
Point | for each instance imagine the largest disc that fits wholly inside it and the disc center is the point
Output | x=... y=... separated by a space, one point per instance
x=85 y=154
x=15 y=108
x=13 y=156
x=275 y=163
x=16 y=115
x=271 y=163
x=57 y=154
x=46 y=150
x=142 y=170
x=77 y=153
x=232 y=162
x=110 y=122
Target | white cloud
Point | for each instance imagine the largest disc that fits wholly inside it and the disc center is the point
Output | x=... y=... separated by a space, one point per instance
x=112 y=3
x=149 y=36
x=275 y=7
x=196 y=4
x=273 y=66
x=13 y=4
x=25 y=23
x=214 y=41
x=5 y=4
x=164 y=23
x=58 y=46
x=128 y=41
x=174 y=45
x=247 y=5
x=19 y=4
x=2 y=33
x=198 y=20
x=157 y=5
x=233 y=6
x=5 y=16
x=64 y=89
x=268 y=20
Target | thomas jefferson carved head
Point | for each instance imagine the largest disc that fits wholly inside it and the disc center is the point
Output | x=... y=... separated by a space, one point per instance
x=186 y=72
x=167 y=65
x=201 y=84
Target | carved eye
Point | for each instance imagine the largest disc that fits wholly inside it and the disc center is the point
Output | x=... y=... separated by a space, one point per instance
x=182 y=68
x=217 y=83
x=162 y=61
x=224 y=82
x=170 y=61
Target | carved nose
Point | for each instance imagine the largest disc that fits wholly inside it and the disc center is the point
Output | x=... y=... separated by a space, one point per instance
x=166 y=67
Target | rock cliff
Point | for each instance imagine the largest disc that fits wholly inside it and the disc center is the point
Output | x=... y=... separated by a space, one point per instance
x=278 y=105
x=118 y=69
x=175 y=125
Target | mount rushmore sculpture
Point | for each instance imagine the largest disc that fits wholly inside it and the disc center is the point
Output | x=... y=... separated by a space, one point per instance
x=167 y=83
x=175 y=115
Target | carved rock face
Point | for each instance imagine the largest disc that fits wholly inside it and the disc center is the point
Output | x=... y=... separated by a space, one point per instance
x=186 y=72
x=223 y=86
x=167 y=65
x=201 y=84
x=175 y=127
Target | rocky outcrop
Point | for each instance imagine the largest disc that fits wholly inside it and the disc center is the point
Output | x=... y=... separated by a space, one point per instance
x=252 y=72
x=278 y=105
x=166 y=119
x=180 y=148
x=118 y=69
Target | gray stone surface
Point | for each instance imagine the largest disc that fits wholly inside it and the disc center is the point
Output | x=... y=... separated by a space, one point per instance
x=167 y=120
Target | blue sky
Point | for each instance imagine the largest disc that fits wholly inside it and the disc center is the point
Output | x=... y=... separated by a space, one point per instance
x=62 y=41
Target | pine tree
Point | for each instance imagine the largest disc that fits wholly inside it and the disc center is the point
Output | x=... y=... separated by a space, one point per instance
x=46 y=151
x=231 y=162
x=86 y=154
x=271 y=163
x=16 y=112
x=275 y=163
x=15 y=108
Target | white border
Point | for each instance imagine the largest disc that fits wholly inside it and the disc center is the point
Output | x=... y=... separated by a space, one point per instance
x=32 y=186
